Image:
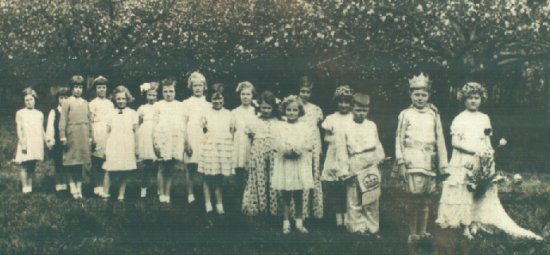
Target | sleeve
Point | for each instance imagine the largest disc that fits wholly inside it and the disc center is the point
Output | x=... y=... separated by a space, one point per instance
x=326 y=124
x=140 y=114
x=50 y=129
x=20 y=130
x=459 y=140
x=441 y=147
x=64 y=120
x=379 y=150
x=400 y=138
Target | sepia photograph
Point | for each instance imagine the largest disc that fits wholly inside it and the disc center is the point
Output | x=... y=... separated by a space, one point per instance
x=381 y=127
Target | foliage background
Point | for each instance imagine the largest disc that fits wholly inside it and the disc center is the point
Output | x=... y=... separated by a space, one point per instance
x=372 y=45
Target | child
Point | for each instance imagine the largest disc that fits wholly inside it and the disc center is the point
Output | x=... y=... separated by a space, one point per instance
x=100 y=107
x=364 y=151
x=120 y=147
x=194 y=107
x=421 y=155
x=333 y=173
x=30 y=136
x=53 y=142
x=243 y=115
x=259 y=197
x=457 y=207
x=313 y=115
x=168 y=136
x=292 y=170
x=75 y=134
x=216 y=158
x=146 y=150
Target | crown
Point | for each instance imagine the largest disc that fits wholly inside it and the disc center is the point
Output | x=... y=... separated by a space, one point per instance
x=419 y=82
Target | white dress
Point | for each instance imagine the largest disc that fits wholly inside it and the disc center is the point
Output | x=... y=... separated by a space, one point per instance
x=120 y=149
x=335 y=124
x=146 y=150
x=194 y=108
x=169 y=130
x=29 y=124
x=217 y=144
x=99 y=110
x=457 y=205
x=243 y=117
x=292 y=174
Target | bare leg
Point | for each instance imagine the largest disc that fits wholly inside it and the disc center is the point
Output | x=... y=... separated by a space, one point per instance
x=287 y=197
x=423 y=218
x=218 y=192
x=122 y=188
x=23 y=176
x=106 y=185
x=189 y=182
x=207 y=199
x=160 y=179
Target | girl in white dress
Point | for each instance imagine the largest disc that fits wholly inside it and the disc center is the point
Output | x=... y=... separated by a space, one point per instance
x=243 y=115
x=30 y=139
x=216 y=158
x=168 y=136
x=194 y=108
x=120 y=148
x=333 y=171
x=146 y=150
x=100 y=108
x=292 y=173
x=457 y=207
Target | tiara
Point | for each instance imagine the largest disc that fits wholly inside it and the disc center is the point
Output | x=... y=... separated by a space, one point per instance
x=420 y=81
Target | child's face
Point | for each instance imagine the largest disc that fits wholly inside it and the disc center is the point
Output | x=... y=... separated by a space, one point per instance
x=344 y=106
x=473 y=102
x=360 y=112
x=305 y=94
x=292 y=112
x=77 y=90
x=101 y=90
x=61 y=99
x=266 y=110
x=246 y=97
x=197 y=87
x=29 y=101
x=151 y=96
x=419 y=98
x=169 y=93
x=120 y=99
x=217 y=103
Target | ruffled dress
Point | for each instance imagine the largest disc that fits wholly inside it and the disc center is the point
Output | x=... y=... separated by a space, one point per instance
x=216 y=156
x=169 y=130
x=146 y=150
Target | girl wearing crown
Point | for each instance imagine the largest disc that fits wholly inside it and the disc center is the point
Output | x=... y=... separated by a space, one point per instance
x=420 y=154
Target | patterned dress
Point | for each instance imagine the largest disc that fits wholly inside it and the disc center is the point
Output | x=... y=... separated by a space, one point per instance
x=99 y=110
x=194 y=108
x=259 y=197
x=146 y=150
x=169 y=130
x=120 y=149
x=216 y=156
x=31 y=135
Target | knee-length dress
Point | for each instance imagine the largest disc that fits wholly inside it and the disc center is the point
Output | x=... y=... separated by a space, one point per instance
x=313 y=199
x=169 y=130
x=296 y=173
x=120 y=147
x=243 y=116
x=259 y=197
x=75 y=127
x=29 y=124
x=146 y=150
x=100 y=108
x=194 y=109
x=335 y=125
x=216 y=153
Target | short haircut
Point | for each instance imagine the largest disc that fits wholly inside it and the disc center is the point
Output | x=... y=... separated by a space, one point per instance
x=122 y=89
x=292 y=99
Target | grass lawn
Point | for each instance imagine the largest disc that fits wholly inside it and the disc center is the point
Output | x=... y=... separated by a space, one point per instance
x=47 y=223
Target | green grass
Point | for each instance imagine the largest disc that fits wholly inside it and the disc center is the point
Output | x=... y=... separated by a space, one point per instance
x=46 y=223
